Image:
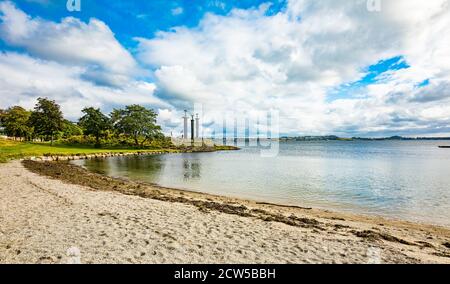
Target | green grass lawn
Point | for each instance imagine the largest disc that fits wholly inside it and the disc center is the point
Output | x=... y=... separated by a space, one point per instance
x=10 y=150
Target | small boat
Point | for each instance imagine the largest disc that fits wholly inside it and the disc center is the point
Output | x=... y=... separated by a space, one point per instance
x=444 y=147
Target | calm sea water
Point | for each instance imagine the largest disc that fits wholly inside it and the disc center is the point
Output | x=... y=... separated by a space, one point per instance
x=397 y=179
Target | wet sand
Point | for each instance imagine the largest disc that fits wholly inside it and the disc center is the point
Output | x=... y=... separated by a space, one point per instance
x=49 y=212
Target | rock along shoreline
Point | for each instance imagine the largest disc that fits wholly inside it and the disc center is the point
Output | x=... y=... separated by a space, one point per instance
x=56 y=158
x=74 y=157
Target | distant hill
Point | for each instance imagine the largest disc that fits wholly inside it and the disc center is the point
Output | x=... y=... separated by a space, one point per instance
x=336 y=138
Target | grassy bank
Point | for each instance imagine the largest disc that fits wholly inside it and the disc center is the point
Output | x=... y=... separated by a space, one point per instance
x=226 y=148
x=11 y=150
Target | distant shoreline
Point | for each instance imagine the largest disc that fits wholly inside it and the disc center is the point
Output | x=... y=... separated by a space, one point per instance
x=336 y=138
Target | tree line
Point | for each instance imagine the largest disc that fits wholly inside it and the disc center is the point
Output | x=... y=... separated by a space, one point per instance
x=134 y=125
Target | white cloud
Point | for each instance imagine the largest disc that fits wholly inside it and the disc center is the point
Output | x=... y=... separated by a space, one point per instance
x=290 y=60
x=23 y=79
x=71 y=41
x=246 y=61
x=75 y=63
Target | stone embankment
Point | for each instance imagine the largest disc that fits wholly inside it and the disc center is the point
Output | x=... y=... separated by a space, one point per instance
x=54 y=158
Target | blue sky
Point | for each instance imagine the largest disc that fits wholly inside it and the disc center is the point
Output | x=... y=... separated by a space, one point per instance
x=327 y=67
x=140 y=18
x=371 y=75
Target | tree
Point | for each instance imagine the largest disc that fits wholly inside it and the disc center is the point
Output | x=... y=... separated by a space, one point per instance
x=95 y=123
x=71 y=129
x=47 y=118
x=136 y=122
x=15 y=122
x=2 y=117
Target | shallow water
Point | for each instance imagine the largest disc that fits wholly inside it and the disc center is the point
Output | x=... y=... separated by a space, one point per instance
x=398 y=179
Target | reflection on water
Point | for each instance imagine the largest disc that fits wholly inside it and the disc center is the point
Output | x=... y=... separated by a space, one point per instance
x=399 y=179
x=134 y=167
x=191 y=168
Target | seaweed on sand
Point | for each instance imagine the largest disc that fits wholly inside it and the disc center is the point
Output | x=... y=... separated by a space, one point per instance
x=80 y=176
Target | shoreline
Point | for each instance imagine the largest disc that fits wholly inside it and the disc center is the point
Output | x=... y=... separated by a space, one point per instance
x=14 y=150
x=334 y=214
x=104 y=155
x=329 y=209
x=324 y=209
x=275 y=205
x=230 y=225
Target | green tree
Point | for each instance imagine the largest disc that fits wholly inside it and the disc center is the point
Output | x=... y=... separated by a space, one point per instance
x=47 y=118
x=15 y=122
x=2 y=117
x=95 y=123
x=136 y=122
x=71 y=129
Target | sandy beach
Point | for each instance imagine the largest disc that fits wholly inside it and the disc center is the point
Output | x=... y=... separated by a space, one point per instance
x=48 y=220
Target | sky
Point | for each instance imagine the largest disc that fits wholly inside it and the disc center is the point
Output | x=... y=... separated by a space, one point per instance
x=343 y=67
